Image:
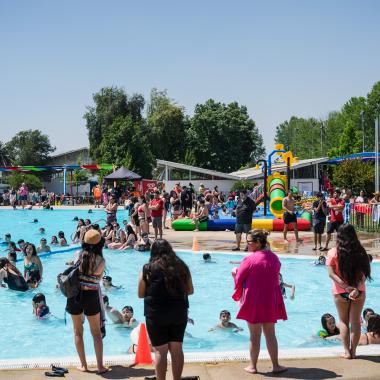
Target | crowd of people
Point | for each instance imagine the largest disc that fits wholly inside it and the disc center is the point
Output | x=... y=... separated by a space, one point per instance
x=165 y=282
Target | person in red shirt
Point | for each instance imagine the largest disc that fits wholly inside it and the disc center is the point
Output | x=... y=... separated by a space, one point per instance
x=156 y=206
x=336 y=207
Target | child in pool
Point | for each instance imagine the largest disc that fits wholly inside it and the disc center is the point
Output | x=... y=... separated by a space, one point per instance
x=321 y=261
x=284 y=285
x=366 y=314
x=225 y=318
x=373 y=334
x=107 y=283
x=12 y=257
x=330 y=329
x=40 y=309
x=128 y=320
x=207 y=258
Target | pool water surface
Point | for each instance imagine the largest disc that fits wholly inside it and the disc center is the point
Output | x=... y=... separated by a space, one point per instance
x=24 y=336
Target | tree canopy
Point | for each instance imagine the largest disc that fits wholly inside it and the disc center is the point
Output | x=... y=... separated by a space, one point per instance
x=341 y=133
x=218 y=136
x=30 y=147
x=222 y=137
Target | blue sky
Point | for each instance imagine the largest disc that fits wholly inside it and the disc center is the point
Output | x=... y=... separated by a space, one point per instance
x=279 y=58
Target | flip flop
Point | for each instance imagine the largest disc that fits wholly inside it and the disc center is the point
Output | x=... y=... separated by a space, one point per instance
x=59 y=369
x=55 y=374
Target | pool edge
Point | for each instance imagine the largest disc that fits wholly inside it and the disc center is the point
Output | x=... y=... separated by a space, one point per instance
x=190 y=357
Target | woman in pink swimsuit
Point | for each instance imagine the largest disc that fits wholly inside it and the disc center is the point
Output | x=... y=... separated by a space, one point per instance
x=257 y=287
x=349 y=268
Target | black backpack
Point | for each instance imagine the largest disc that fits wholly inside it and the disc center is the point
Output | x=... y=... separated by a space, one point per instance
x=68 y=281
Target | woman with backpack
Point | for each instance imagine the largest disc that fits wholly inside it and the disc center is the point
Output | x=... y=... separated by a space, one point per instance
x=91 y=267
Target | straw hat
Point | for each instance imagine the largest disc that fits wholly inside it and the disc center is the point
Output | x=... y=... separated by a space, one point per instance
x=92 y=237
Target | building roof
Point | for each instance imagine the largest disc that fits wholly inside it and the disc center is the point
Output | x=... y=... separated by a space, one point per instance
x=251 y=173
x=196 y=169
x=69 y=152
x=364 y=156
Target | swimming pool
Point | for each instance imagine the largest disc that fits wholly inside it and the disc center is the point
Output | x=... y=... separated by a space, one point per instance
x=24 y=336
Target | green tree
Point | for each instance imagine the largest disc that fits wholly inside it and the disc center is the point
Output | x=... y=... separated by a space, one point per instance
x=301 y=136
x=111 y=103
x=355 y=175
x=6 y=156
x=30 y=147
x=117 y=131
x=15 y=180
x=166 y=127
x=222 y=137
x=125 y=144
x=243 y=184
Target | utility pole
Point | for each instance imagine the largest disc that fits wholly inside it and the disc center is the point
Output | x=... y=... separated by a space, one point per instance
x=362 y=121
x=377 y=120
x=322 y=126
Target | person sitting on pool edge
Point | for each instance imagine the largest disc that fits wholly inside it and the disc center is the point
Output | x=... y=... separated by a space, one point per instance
x=330 y=329
x=225 y=318
x=40 y=309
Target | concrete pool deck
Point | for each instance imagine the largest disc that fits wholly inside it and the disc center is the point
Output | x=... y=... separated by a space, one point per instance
x=365 y=367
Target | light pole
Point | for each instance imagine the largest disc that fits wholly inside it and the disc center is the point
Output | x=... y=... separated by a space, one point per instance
x=362 y=121
x=377 y=153
x=322 y=126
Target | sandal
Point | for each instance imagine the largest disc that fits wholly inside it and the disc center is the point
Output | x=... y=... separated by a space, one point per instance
x=59 y=369
x=55 y=374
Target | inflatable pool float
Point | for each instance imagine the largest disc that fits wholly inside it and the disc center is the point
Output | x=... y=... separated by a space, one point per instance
x=304 y=224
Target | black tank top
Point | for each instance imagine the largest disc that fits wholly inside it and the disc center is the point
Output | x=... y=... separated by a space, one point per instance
x=158 y=303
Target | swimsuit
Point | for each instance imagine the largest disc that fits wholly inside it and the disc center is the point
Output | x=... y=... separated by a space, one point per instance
x=32 y=271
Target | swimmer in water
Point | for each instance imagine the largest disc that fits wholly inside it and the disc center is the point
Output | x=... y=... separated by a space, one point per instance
x=366 y=314
x=54 y=240
x=90 y=211
x=113 y=314
x=35 y=221
x=43 y=247
x=12 y=257
x=128 y=319
x=329 y=326
x=62 y=239
x=321 y=261
x=40 y=309
x=107 y=283
x=284 y=285
x=225 y=318
x=41 y=230
x=207 y=258
x=75 y=219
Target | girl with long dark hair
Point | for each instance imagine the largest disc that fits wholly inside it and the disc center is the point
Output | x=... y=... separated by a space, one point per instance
x=91 y=268
x=165 y=283
x=349 y=268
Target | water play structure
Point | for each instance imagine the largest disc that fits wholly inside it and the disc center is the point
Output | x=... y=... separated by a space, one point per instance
x=274 y=190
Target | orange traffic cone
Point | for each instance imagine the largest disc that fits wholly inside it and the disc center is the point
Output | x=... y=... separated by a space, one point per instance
x=143 y=355
x=195 y=245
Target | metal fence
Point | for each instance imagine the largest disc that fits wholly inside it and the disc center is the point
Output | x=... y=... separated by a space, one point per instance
x=365 y=217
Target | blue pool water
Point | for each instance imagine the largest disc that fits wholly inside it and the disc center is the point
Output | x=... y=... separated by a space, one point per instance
x=24 y=336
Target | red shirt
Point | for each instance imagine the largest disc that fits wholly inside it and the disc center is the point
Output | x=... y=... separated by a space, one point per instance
x=335 y=215
x=154 y=203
